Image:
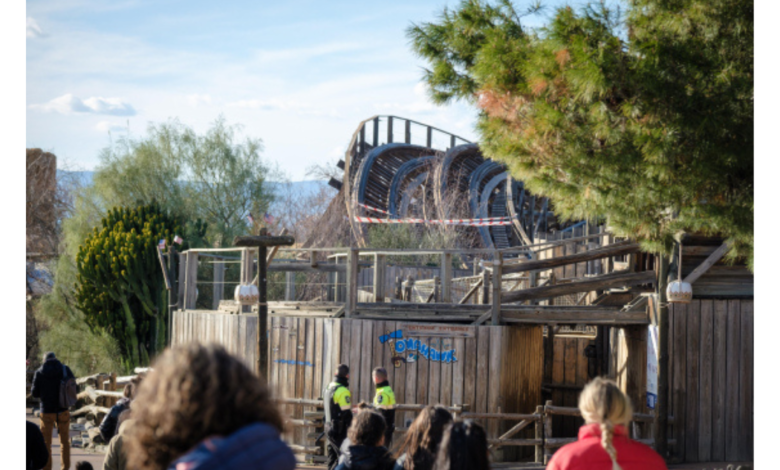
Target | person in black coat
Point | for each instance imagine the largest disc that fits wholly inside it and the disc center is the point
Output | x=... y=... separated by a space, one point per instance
x=110 y=424
x=368 y=451
x=37 y=454
x=46 y=387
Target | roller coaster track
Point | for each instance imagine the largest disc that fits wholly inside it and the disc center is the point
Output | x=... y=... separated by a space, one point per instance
x=397 y=165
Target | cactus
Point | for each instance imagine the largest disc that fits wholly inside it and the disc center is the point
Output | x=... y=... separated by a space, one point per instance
x=120 y=286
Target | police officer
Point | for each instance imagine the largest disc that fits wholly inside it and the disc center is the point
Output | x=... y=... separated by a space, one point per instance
x=384 y=401
x=338 y=413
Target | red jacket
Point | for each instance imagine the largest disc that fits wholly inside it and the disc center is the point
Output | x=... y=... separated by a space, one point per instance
x=588 y=454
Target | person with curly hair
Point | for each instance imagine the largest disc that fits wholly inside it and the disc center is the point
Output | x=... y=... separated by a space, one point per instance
x=463 y=447
x=418 y=451
x=201 y=408
x=603 y=442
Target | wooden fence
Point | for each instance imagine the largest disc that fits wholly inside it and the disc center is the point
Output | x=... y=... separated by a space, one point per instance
x=492 y=369
x=711 y=380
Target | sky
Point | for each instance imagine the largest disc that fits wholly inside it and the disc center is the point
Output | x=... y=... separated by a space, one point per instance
x=300 y=75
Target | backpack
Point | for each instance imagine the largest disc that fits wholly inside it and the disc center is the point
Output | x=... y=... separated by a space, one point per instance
x=69 y=390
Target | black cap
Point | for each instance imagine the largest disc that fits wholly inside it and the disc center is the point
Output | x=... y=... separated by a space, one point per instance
x=342 y=370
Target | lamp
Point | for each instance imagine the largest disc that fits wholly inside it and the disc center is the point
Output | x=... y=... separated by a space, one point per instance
x=679 y=291
x=247 y=294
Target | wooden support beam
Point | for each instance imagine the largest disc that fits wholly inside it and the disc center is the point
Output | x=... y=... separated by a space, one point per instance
x=380 y=268
x=485 y=287
x=707 y=263
x=446 y=278
x=498 y=261
x=553 y=314
x=471 y=292
x=218 y=289
x=352 y=287
x=616 y=249
x=607 y=281
x=190 y=286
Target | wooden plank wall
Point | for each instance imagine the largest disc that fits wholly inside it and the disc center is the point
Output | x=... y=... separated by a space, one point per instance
x=570 y=374
x=499 y=369
x=711 y=384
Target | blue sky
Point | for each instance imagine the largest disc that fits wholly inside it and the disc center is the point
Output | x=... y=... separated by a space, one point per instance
x=300 y=75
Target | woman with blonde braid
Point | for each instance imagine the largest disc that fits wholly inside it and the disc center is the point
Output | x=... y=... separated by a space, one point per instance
x=603 y=442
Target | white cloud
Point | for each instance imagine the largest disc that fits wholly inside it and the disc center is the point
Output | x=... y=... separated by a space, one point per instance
x=108 y=126
x=197 y=99
x=69 y=104
x=33 y=30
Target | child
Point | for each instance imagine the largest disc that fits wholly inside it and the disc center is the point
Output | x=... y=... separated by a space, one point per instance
x=367 y=433
x=83 y=465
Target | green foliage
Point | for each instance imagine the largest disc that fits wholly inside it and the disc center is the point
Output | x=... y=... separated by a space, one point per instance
x=119 y=285
x=653 y=134
x=211 y=180
x=65 y=331
x=211 y=176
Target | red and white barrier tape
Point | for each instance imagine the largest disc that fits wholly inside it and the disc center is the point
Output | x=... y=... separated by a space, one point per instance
x=482 y=221
x=465 y=222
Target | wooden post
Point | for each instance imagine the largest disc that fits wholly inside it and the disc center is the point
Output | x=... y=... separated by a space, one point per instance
x=352 y=287
x=379 y=277
x=112 y=387
x=314 y=262
x=399 y=293
x=446 y=278
x=636 y=365
x=190 y=284
x=662 y=405
x=339 y=295
x=262 y=242
x=498 y=262
x=436 y=290
x=485 y=287
x=408 y=288
x=219 y=283
x=182 y=281
x=548 y=428
x=289 y=286
x=539 y=435
x=533 y=277
x=173 y=293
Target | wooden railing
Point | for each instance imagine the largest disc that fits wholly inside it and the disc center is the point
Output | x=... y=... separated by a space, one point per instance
x=636 y=431
x=544 y=442
x=490 y=292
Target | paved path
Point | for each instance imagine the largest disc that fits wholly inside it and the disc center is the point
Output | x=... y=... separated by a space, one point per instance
x=76 y=454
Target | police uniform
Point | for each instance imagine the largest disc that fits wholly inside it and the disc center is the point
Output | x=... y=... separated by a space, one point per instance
x=338 y=417
x=384 y=401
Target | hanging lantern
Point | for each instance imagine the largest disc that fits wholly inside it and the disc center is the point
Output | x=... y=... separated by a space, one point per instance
x=679 y=291
x=247 y=294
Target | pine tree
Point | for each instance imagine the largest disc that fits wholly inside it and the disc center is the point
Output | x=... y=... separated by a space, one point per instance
x=643 y=118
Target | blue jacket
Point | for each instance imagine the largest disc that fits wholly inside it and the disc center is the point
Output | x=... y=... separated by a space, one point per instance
x=256 y=446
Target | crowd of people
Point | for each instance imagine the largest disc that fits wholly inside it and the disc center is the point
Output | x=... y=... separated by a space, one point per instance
x=203 y=409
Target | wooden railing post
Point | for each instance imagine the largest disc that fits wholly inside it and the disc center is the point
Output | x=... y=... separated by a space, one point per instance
x=547 y=431
x=437 y=292
x=352 y=287
x=190 y=283
x=498 y=262
x=314 y=262
x=399 y=294
x=289 y=286
x=446 y=278
x=218 y=289
x=539 y=435
x=485 y=287
x=379 y=277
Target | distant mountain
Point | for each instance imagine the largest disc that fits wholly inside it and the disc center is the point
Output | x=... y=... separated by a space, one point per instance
x=304 y=188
